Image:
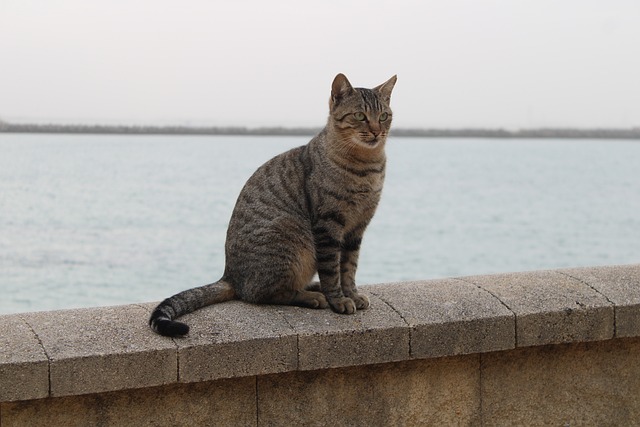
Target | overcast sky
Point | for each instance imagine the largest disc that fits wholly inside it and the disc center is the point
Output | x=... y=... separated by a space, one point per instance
x=460 y=63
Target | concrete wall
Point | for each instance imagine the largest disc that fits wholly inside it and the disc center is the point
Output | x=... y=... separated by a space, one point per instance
x=551 y=347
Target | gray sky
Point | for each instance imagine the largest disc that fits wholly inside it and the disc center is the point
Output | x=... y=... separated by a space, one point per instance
x=493 y=63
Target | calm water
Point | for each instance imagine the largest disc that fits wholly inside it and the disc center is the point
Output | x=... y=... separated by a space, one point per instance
x=103 y=220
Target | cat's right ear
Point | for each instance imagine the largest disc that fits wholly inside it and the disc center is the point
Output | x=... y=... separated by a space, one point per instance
x=339 y=89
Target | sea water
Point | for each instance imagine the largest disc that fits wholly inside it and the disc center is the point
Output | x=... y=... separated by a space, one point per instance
x=94 y=220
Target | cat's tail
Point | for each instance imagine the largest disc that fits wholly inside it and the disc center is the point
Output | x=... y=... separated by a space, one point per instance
x=162 y=319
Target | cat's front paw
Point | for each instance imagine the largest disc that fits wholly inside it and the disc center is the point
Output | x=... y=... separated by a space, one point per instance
x=361 y=301
x=342 y=305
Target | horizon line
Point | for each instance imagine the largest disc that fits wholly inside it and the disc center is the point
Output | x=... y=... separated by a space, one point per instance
x=493 y=132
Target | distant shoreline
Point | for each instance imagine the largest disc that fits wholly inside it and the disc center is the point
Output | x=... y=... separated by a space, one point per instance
x=630 y=133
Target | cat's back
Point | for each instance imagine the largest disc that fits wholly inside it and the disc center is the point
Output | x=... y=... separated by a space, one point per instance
x=274 y=190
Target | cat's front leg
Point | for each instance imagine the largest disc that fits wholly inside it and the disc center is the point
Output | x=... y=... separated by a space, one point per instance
x=348 y=265
x=328 y=258
x=329 y=274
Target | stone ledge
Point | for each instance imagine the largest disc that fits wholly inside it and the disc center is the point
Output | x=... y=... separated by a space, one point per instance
x=550 y=307
x=621 y=287
x=450 y=317
x=74 y=352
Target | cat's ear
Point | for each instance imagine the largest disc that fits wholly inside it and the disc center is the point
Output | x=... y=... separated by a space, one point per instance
x=339 y=89
x=385 y=88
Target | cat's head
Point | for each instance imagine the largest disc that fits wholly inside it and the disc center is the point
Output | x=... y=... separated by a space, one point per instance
x=360 y=116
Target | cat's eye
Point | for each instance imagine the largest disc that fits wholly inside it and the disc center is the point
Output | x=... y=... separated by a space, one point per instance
x=359 y=116
x=384 y=116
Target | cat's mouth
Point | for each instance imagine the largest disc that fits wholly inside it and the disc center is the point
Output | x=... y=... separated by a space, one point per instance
x=373 y=141
x=369 y=141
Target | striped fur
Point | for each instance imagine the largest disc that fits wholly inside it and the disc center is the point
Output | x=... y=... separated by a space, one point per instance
x=301 y=213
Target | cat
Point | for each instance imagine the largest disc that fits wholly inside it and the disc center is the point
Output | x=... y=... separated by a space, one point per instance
x=303 y=212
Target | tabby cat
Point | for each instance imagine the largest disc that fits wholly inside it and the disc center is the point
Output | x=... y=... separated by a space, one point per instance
x=302 y=212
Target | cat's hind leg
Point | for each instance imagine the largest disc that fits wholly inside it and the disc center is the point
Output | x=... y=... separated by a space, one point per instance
x=313 y=286
x=302 y=298
x=284 y=283
x=292 y=291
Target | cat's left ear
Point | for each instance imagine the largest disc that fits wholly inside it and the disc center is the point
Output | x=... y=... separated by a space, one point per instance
x=385 y=88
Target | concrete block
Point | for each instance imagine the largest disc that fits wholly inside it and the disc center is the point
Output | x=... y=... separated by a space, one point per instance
x=582 y=384
x=103 y=349
x=621 y=286
x=235 y=339
x=551 y=307
x=24 y=367
x=220 y=403
x=450 y=317
x=329 y=340
x=430 y=392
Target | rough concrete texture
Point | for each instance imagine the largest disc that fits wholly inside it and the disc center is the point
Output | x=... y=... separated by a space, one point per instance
x=75 y=352
x=450 y=317
x=330 y=340
x=435 y=392
x=235 y=339
x=583 y=384
x=551 y=307
x=220 y=403
x=103 y=349
x=621 y=286
x=24 y=367
x=595 y=383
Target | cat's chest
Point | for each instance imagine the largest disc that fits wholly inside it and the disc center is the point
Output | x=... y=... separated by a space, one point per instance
x=360 y=201
x=364 y=192
x=349 y=191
